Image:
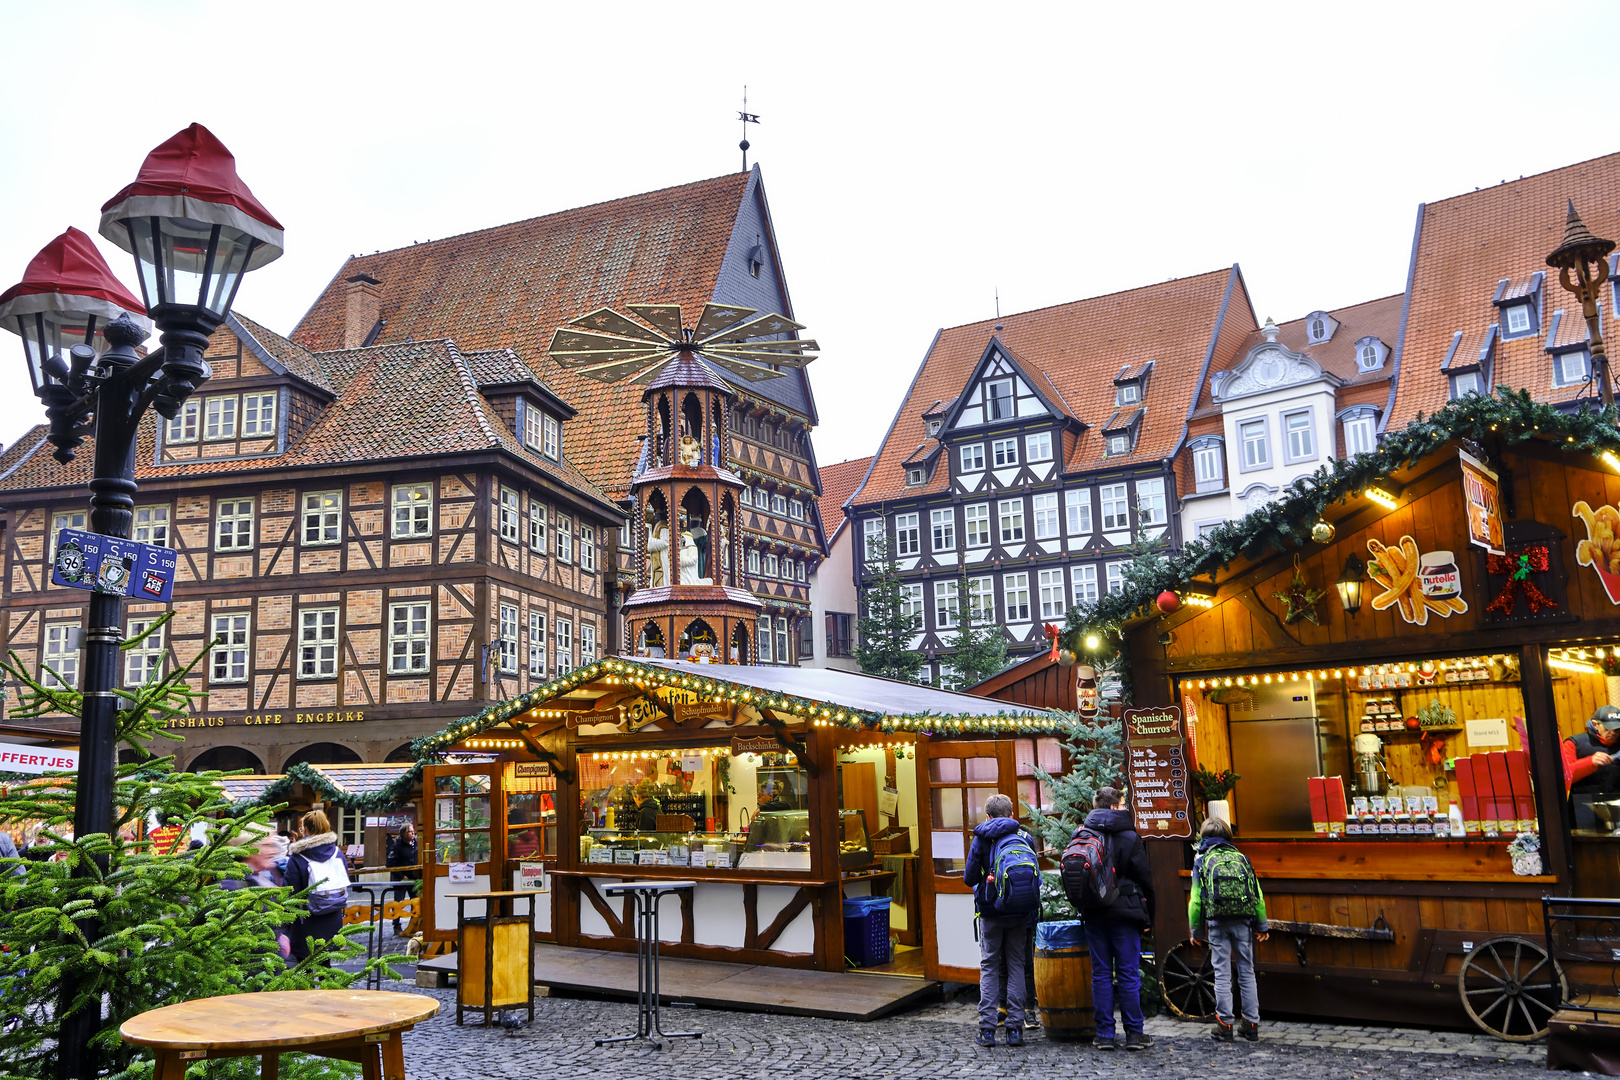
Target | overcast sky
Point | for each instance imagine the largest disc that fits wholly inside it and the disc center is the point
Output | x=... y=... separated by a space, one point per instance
x=917 y=157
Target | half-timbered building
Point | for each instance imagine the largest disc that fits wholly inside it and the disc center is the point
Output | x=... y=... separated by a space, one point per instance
x=372 y=541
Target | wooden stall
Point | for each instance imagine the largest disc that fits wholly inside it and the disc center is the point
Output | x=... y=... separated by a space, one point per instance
x=1390 y=756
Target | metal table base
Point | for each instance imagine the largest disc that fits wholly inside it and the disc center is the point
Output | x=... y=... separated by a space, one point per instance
x=646 y=895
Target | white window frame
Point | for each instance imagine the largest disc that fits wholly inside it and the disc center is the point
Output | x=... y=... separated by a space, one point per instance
x=1303 y=448
x=1015 y=596
x=565 y=538
x=946 y=605
x=229 y=659
x=976 y=525
x=772 y=566
x=802 y=572
x=507 y=641
x=70 y=519
x=1077 y=511
x=1050 y=585
x=185 y=426
x=1209 y=467
x=763 y=639
x=1003 y=453
x=779 y=504
x=753 y=562
x=1318 y=330
x=1254 y=443
x=796 y=509
x=537 y=644
x=1521 y=312
x=151 y=525
x=317 y=643
x=219 y=418
x=410 y=637
x=533 y=423
x=1116 y=507
x=1083 y=583
x=1010 y=517
x=1368 y=358
x=145 y=659
x=587 y=643
x=762 y=500
x=1116 y=578
x=511 y=532
x=942 y=523
x=564 y=641
x=586 y=549
x=981 y=600
x=1038 y=446
x=914 y=476
x=1561 y=376
x=1465 y=383
x=871 y=528
x=992 y=410
x=1151 y=506
x=1360 y=435
x=552 y=434
x=932 y=427
x=907 y=538
x=537 y=527
x=324 y=511
x=911 y=604
x=233 y=530
x=971 y=457
x=784 y=654
x=54 y=652
x=1117 y=445
x=259 y=414
x=1044 y=512
x=411 y=516
x=1128 y=393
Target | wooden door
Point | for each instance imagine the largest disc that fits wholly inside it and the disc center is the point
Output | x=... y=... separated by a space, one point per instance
x=459 y=827
x=954 y=780
x=531 y=837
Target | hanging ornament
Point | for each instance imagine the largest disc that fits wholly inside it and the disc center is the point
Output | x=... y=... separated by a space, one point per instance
x=1299 y=599
x=1168 y=602
x=1323 y=531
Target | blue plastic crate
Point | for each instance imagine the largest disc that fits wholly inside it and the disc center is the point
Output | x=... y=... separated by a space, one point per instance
x=866 y=930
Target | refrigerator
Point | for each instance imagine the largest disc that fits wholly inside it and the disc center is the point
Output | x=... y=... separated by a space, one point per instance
x=1277 y=742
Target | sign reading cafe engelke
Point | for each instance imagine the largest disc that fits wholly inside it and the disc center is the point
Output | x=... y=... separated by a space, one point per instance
x=1156 y=765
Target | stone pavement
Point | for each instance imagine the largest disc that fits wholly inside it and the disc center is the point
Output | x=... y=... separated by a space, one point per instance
x=931 y=1043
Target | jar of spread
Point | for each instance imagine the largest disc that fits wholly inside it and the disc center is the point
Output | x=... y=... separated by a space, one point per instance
x=1440 y=576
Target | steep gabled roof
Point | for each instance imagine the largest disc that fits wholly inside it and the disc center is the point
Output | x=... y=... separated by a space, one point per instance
x=838 y=483
x=277 y=353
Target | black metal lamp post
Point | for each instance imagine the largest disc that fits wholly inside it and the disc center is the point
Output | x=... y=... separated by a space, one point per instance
x=194 y=229
x=1587 y=258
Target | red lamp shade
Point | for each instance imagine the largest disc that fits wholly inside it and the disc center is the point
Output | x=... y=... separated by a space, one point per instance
x=192 y=225
x=67 y=297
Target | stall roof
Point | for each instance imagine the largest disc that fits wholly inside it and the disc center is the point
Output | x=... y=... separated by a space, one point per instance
x=248 y=788
x=362 y=779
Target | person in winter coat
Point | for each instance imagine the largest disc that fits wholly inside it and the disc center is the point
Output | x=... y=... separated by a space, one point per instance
x=316 y=863
x=403 y=852
x=8 y=850
x=1231 y=937
x=1003 y=939
x=262 y=871
x=1114 y=931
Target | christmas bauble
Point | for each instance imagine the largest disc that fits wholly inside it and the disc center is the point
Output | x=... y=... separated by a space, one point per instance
x=1323 y=531
x=1168 y=601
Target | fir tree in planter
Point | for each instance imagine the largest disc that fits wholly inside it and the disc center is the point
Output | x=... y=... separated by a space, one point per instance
x=148 y=930
x=1096 y=751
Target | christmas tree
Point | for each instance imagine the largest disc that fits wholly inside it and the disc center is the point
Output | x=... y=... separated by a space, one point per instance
x=1096 y=753
x=886 y=629
x=980 y=648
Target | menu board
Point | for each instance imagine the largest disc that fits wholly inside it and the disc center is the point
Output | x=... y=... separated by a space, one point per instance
x=1156 y=751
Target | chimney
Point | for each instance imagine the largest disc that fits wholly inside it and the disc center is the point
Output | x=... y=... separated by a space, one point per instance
x=362 y=306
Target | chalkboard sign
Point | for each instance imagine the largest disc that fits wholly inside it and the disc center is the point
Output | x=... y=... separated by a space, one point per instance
x=1156 y=754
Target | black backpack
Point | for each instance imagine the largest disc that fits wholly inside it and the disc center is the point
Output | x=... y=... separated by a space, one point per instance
x=1089 y=877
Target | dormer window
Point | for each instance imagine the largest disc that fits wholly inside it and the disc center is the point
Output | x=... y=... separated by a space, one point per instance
x=1367 y=359
x=1371 y=352
x=1119 y=444
x=1571 y=368
x=1518 y=305
x=1318 y=330
x=1463 y=384
x=1517 y=319
x=914 y=476
x=1128 y=393
x=933 y=428
x=1319 y=327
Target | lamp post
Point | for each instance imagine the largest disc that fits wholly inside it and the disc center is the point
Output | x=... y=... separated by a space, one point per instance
x=1588 y=257
x=194 y=229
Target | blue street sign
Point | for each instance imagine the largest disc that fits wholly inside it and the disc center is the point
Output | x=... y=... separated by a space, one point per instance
x=106 y=564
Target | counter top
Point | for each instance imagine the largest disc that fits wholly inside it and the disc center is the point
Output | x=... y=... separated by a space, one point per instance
x=1325 y=859
x=702 y=875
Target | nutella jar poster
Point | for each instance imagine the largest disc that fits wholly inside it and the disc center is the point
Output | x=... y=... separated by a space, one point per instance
x=1157 y=770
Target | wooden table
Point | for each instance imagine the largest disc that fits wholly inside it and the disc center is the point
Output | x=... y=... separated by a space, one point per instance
x=350 y=1025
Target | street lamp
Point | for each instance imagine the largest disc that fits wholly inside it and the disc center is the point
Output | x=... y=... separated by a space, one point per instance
x=194 y=229
x=1588 y=257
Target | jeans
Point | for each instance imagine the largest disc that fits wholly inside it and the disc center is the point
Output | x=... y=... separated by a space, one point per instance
x=1116 y=952
x=1229 y=941
x=1029 y=971
x=1003 y=963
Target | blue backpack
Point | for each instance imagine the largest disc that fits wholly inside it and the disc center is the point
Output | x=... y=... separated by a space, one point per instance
x=1012 y=885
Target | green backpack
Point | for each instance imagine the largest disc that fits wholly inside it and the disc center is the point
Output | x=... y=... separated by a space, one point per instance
x=1227 y=881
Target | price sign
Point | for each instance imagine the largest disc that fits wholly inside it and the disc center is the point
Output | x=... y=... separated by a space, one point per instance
x=106 y=564
x=1156 y=753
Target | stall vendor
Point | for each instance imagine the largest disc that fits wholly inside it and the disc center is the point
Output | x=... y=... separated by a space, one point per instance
x=647 y=807
x=1589 y=763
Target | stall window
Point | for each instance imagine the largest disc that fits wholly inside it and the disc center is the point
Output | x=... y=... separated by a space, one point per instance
x=461 y=819
x=958 y=789
x=531 y=825
x=1033 y=756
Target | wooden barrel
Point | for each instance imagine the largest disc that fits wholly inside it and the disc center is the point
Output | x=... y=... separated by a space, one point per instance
x=1063 y=987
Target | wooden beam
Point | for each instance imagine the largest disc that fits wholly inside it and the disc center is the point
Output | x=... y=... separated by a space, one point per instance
x=800 y=901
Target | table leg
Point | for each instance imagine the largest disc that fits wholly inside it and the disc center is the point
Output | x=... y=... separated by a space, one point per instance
x=393 y=1057
x=653 y=935
x=370 y=1062
x=270 y=1066
x=169 y=1066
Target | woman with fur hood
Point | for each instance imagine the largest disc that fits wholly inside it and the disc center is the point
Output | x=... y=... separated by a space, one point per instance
x=315 y=863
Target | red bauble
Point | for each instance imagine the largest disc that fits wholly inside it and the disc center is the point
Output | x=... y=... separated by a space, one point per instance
x=1168 y=601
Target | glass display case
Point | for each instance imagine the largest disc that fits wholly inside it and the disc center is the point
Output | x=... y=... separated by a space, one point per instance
x=854 y=843
x=778 y=840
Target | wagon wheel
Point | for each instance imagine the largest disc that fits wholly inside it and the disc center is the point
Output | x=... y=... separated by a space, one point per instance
x=1187 y=981
x=1511 y=988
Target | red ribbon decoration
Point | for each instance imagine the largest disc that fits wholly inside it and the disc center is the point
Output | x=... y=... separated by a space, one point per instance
x=1532 y=558
x=1052 y=633
x=1508 y=564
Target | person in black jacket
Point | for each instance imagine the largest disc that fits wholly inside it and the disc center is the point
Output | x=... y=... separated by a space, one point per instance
x=402 y=852
x=1114 y=932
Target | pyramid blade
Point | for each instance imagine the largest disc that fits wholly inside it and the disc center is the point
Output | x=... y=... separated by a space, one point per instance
x=718 y=317
x=667 y=317
x=583 y=357
x=746 y=356
x=764 y=326
x=564 y=340
x=793 y=345
x=610 y=321
x=750 y=372
x=617 y=369
x=651 y=373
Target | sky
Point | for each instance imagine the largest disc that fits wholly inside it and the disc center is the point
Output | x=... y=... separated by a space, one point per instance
x=919 y=159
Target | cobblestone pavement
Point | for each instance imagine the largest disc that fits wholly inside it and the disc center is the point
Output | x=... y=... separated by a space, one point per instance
x=931 y=1043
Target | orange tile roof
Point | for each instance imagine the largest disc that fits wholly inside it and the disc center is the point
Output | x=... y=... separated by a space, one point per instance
x=1072 y=353
x=838 y=483
x=294 y=358
x=1465 y=246
x=512 y=285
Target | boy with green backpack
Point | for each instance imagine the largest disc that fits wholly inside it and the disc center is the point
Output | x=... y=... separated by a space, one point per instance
x=1228 y=911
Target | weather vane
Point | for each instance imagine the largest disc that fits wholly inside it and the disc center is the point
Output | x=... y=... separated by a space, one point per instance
x=610 y=346
x=747 y=118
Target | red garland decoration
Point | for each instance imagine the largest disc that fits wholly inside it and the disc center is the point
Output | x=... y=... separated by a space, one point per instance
x=1518 y=567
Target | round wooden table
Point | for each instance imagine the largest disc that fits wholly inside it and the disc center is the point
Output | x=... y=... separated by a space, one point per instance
x=351 y=1025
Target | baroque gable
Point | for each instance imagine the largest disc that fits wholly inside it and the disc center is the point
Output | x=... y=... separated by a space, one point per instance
x=1268 y=366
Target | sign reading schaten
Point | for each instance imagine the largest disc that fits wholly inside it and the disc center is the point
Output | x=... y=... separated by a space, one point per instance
x=106 y=564
x=1156 y=753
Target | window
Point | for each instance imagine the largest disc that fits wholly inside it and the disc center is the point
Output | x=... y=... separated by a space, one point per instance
x=537 y=644
x=413 y=510
x=1085 y=584
x=533 y=437
x=151 y=526
x=1570 y=368
x=972 y=457
x=1206 y=529
x=787 y=569
x=61 y=656
x=1038 y=447
x=1150 y=505
x=1256 y=446
x=1012 y=520
x=1368 y=359
x=1318 y=330
x=317 y=643
x=871 y=540
x=1015 y=595
x=763 y=641
x=587 y=643
x=746 y=496
x=801 y=569
x=998 y=399
x=841 y=633
x=783 y=656
x=321 y=510
x=258 y=415
x=233 y=526
x=1299 y=429
x=73 y=519
x=565 y=538
x=143 y=661
x=911 y=604
x=565 y=646
x=1115 y=507
x=981 y=600
x=914 y=477
x=183 y=428
x=796 y=509
x=508 y=642
x=945 y=604
x=779 y=505
x=1128 y=393
x=550 y=436
x=944 y=522
x=1077 y=507
x=933 y=428
x=771 y=569
x=977 y=525
x=1518 y=319
x=1051 y=586
x=537 y=528
x=219 y=418
x=762 y=499
x=753 y=562
x=1045 y=508
x=906 y=540
x=408 y=637
x=1209 y=468
x=1116 y=578
x=230 y=655
x=1464 y=384
x=587 y=551
x=509 y=515
x=1004 y=452
x=1118 y=444
x=1360 y=437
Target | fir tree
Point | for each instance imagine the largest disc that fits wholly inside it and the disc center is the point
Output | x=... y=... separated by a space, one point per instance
x=1096 y=752
x=980 y=648
x=885 y=628
x=139 y=929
